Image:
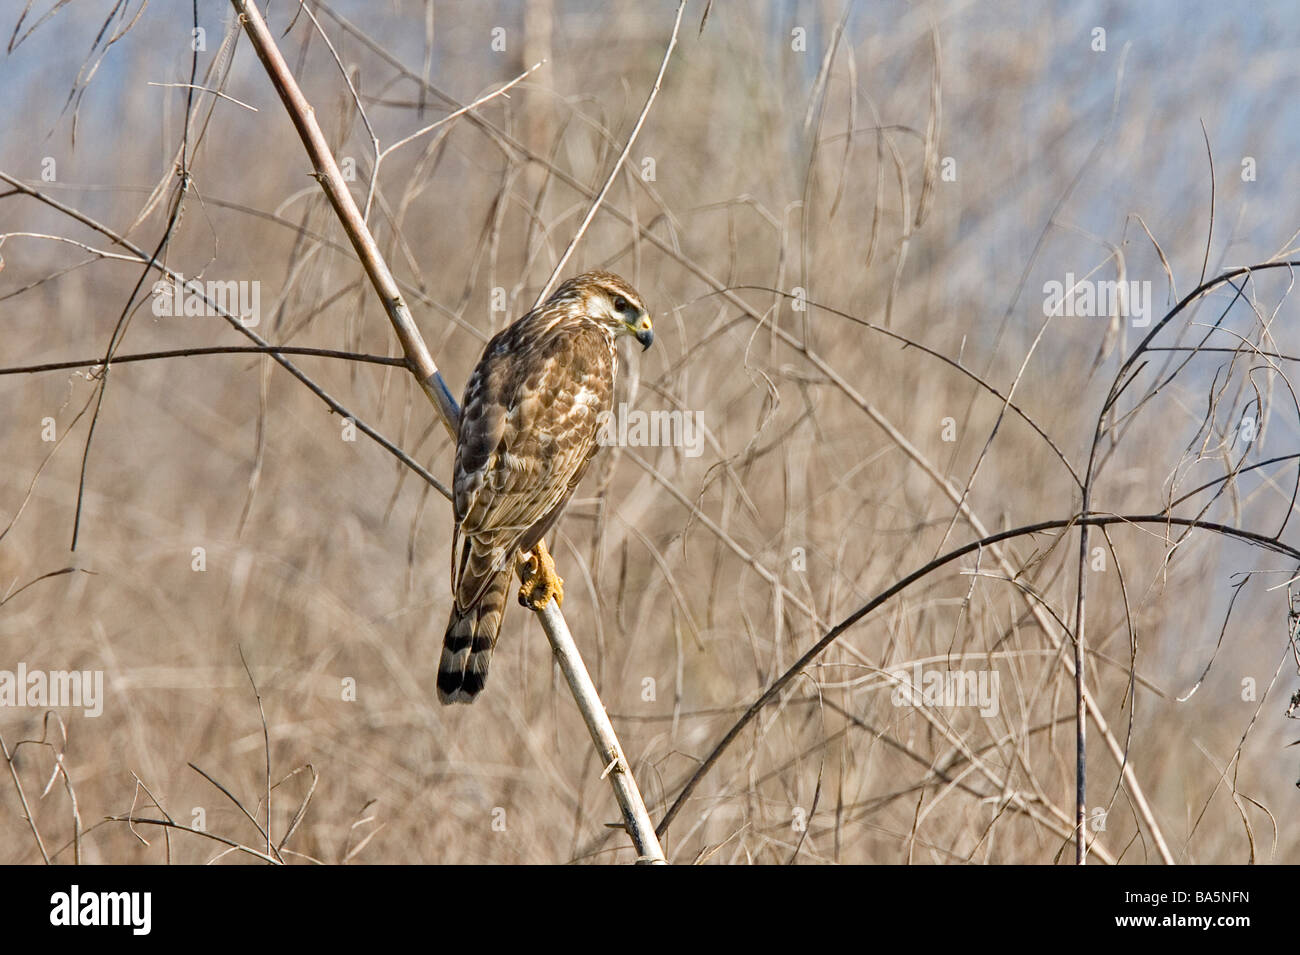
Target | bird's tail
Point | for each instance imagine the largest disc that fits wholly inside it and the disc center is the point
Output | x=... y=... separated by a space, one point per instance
x=467 y=648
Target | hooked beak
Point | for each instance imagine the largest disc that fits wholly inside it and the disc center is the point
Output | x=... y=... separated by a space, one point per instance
x=644 y=332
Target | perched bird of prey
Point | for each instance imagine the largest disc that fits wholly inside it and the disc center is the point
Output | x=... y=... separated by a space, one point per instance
x=528 y=426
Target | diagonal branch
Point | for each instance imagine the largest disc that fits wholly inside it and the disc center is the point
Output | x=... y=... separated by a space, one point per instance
x=1084 y=520
x=420 y=361
x=330 y=177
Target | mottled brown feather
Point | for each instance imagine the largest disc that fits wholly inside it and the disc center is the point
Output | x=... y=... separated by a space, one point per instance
x=528 y=431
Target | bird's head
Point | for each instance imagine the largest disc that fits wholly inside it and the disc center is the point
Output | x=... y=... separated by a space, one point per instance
x=609 y=300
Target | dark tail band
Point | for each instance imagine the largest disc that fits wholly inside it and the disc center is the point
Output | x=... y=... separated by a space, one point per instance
x=467 y=647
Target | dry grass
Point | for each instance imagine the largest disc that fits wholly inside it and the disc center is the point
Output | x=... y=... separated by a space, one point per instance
x=825 y=475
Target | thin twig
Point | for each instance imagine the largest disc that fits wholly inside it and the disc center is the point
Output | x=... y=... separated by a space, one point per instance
x=266 y=746
x=22 y=798
x=618 y=164
x=94 y=364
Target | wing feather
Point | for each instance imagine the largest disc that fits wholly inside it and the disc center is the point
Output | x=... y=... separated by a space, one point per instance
x=528 y=432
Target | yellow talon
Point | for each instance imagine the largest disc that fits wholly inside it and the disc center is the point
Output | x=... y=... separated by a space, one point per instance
x=539 y=579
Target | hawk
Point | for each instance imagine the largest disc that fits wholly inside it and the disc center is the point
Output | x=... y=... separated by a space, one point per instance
x=528 y=427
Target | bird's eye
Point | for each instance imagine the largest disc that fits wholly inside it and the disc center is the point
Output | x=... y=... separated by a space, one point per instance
x=621 y=304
